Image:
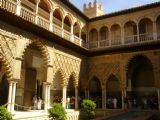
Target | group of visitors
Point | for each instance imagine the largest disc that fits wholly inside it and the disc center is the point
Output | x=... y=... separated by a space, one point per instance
x=70 y=102
x=37 y=103
x=112 y=102
x=141 y=102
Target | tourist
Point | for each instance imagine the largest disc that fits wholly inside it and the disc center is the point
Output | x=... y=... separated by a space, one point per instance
x=114 y=103
x=39 y=103
x=68 y=102
x=34 y=101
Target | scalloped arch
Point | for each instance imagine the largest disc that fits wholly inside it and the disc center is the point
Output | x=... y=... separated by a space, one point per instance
x=75 y=79
x=63 y=77
x=7 y=66
x=43 y=49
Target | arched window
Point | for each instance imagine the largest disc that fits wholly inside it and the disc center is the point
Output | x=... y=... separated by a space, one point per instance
x=145 y=30
x=130 y=32
x=115 y=34
x=158 y=27
x=104 y=37
x=93 y=38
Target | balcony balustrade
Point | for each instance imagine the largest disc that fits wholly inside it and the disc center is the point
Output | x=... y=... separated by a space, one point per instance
x=30 y=16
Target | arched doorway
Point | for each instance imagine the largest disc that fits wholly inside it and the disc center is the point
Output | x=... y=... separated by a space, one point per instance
x=141 y=90
x=95 y=91
x=113 y=92
x=33 y=74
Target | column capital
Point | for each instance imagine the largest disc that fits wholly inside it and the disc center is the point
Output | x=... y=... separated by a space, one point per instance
x=37 y=1
x=47 y=83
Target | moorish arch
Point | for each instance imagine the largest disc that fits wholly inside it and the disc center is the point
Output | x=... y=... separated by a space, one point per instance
x=113 y=90
x=59 y=81
x=43 y=49
x=58 y=15
x=5 y=76
x=141 y=80
x=36 y=61
x=95 y=91
x=72 y=84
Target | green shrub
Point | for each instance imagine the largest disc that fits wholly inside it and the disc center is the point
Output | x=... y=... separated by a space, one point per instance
x=154 y=117
x=4 y=114
x=57 y=112
x=88 y=109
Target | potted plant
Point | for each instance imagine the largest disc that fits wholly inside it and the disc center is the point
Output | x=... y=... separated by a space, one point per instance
x=88 y=107
x=4 y=114
x=57 y=112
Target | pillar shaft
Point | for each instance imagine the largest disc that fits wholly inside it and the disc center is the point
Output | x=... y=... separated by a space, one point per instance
x=10 y=96
x=76 y=97
x=158 y=92
x=104 y=98
x=64 y=96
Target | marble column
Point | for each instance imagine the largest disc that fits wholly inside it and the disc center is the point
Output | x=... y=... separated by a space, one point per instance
x=63 y=27
x=46 y=88
x=51 y=21
x=72 y=35
x=76 y=97
x=123 y=98
x=18 y=8
x=138 y=39
x=104 y=97
x=154 y=30
x=64 y=96
x=37 y=5
x=11 y=96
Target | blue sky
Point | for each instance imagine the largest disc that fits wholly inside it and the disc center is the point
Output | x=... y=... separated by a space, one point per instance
x=114 y=5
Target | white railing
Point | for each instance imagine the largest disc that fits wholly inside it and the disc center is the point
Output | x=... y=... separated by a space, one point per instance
x=67 y=35
x=131 y=39
x=8 y=5
x=146 y=37
x=57 y=30
x=103 y=43
x=83 y=43
x=43 y=22
x=77 y=40
x=27 y=15
x=93 y=44
x=116 y=41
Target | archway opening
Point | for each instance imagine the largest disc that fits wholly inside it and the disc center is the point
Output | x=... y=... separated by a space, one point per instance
x=140 y=84
x=57 y=18
x=113 y=93
x=104 y=37
x=84 y=36
x=93 y=38
x=71 y=92
x=95 y=91
x=31 y=84
x=76 y=29
x=130 y=32
x=56 y=90
x=145 y=30
x=115 y=34
x=4 y=88
x=158 y=27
